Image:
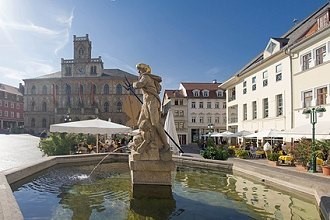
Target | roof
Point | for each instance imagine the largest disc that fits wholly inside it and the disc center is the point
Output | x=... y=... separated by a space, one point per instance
x=174 y=93
x=211 y=87
x=106 y=73
x=200 y=86
x=9 y=89
x=294 y=35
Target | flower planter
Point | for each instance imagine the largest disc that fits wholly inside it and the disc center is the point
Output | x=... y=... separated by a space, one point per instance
x=326 y=170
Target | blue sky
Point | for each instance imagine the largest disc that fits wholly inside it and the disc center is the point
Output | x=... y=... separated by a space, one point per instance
x=182 y=40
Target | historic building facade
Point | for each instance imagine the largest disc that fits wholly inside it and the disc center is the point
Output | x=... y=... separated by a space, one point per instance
x=290 y=75
x=11 y=108
x=82 y=90
x=198 y=108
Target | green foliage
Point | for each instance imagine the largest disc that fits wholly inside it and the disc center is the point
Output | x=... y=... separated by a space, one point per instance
x=215 y=153
x=273 y=156
x=302 y=151
x=59 y=144
x=323 y=148
x=231 y=152
x=241 y=153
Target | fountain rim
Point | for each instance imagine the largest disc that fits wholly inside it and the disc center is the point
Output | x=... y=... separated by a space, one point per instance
x=9 y=208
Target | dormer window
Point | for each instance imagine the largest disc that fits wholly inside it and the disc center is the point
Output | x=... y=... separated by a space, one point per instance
x=205 y=93
x=219 y=93
x=271 y=47
x=196 y=93
x=323 y=21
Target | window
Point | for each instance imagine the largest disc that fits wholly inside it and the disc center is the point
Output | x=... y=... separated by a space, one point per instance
x=176 y=113
x=106 y=89
x=181 y=102
x=279 y=105
x=44 y=107
x=254 y=81
x=106 y=107
x=44 y=90
x=6 y=113
x=216 y=105
x=306 y=59
x=93 y=70
x=196 y=93
x=181 y=113
x=254 y=109
x=244 y=87
x=33 y=90
x=119 y=107
x=176 y=102
x=224 y=105
x=0 y=112
x=201 y=119
x=193 y=119
x=208 y=105
x=17 y=105
x=33 y=123
x=12 y=114
x=201 y=105
x=244 y=112
x=308 y=96
x=68 y=90
x=209 y=119
x=17 y=115
x=278 y=70
x=265 y=78
x=265 y=107
x=6 y=95
x=321 y=96
x=205 y=93
x=224 y=118
x=217 y=119
x=193 y=105
x=68 y=71
x=33 y=105
x=219 y=93
x=119 y=89
x=0 y=102
x=44 y=123
x=319 y=55
x=12 y=105
x=323 y=20
x=6 y=103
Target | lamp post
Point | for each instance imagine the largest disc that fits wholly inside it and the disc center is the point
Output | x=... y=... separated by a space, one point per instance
x=313 y=119
x=210 y=127
x=67 y=118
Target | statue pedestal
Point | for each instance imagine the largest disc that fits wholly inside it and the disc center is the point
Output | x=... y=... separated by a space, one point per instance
x=151 y=172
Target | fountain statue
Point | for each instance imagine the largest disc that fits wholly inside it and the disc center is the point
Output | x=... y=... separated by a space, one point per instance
x=150 y=160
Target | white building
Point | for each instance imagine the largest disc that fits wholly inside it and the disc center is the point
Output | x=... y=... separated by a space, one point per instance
x=289 y=75
x=196 y=108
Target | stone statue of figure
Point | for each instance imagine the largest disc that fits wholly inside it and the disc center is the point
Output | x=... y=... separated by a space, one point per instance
x=150 y=110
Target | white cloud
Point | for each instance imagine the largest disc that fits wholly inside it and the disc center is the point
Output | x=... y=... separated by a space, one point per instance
x=117 y=63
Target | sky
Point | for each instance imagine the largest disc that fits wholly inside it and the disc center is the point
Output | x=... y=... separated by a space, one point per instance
x=182 y=40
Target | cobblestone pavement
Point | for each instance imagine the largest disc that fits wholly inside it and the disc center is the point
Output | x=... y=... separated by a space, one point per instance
x=18 y=149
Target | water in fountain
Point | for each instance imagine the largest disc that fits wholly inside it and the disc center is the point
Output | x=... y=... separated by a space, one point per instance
x=119 y=148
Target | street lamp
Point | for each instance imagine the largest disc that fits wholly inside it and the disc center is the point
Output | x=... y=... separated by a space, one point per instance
x=210 y=127
x=313 y=117
x=67 y=118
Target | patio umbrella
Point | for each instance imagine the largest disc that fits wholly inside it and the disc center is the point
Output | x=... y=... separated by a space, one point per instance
x=169 y=126
x=266 y=133
x=242 y=133
x=222 y=134
x=93 y=126
x=322 y=131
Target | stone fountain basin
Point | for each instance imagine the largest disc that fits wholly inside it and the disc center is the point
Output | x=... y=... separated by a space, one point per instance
x=9 y=208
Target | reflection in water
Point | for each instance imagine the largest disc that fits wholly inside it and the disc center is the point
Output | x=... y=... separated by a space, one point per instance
x=63 y=193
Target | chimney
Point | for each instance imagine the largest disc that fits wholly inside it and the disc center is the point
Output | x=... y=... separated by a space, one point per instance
x=214 y=81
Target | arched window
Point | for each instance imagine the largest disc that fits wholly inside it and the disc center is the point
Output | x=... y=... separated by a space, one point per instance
x=33 y=105
x=93 y=70
x=106 y=89
x=44 y=90
x=44 y=107
x=33 y=123
x=68 y=89
x=44 y=123
x=57 y=90
x=119 y=89
x=106 y=107
x=33 y=90
x=119 y=107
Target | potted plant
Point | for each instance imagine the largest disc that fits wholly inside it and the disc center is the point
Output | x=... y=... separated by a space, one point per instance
x=273 y=157
x=302 y=153
x=323 y=148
